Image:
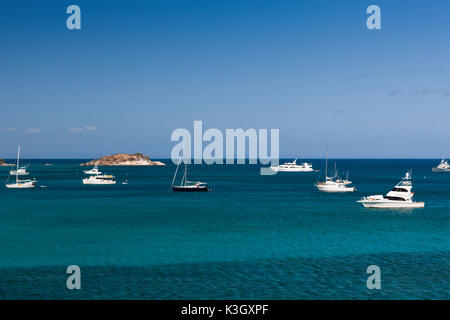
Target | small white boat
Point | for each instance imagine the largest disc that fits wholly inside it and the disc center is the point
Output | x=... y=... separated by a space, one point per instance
x=399 y=197
x=335 y=183
x=100 y=179
x=22 y=171
x=20 y=184
x=94 y=170
x=443 y=166
x=293 y=167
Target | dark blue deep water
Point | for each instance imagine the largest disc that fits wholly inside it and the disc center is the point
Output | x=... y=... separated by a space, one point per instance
x=252 y=237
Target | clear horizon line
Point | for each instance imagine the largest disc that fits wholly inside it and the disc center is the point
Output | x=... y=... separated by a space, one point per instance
x=246 y=159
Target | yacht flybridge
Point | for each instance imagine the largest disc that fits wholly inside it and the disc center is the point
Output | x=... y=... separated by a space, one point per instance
x=185 y=185
x=334 y=183
x=443 y=166
x=399 y=197
x=20 y=184
x=293 y=167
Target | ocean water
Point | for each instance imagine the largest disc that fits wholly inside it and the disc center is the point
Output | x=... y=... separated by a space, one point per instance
x=251 y=237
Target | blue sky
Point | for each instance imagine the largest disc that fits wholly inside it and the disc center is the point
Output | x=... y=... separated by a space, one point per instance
x=137 y=70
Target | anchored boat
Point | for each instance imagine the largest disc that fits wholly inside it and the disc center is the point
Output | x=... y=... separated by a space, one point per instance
x=100 y=179
x=334 y=183
x=188 y=186
x=399 y=197
x=293 y=167
x=20 y=184
x=94 y=170
x=443 y=166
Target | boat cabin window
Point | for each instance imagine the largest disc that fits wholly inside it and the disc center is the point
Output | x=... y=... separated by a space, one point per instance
x=399 y=190
x=395 y=198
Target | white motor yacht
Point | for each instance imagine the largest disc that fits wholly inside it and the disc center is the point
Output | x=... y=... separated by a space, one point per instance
x=334 y=184
x=22 y=171
x=20 y=184
x=399 y=197
x=100 y=179
x=94 y=170
x=443 y=166
x=293 y=167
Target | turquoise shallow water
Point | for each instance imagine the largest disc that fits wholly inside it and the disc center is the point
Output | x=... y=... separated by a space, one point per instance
x=252 y=237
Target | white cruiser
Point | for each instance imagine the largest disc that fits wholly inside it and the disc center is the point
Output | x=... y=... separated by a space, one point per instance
x=94 y=170
x=22 y=171
x=399 y=197
x=294 y=167
x=443 y=166
x=335 y=183
x=100 y=179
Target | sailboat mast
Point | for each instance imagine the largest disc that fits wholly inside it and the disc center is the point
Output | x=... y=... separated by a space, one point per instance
x=185 y=172
x=185 y=165
x=18 y=154
x=175 y=175
x=326 y=164
x=17 y=167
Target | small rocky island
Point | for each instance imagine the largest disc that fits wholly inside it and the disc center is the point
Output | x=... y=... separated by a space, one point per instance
x=124 y=159
x=3 y=163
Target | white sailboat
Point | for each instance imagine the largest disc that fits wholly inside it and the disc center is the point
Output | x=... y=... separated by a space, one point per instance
x=334 y=184
x=20 y=184
x=399 y=197
x=185 y=185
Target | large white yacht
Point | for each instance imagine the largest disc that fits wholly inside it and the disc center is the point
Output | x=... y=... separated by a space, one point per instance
x=399 y=197
x=443 y=166
x=20 y=184
x=293 y=167
x=335 y=183
x=100 y=179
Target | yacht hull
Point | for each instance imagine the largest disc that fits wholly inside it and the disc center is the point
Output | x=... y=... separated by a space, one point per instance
x=25 y=185
x=333 y=188
x=86 y=181
x=190 y=188
x=291 y=170
x=337 y=190
x=13 y=173
x=392 y=204
x=440 y=170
